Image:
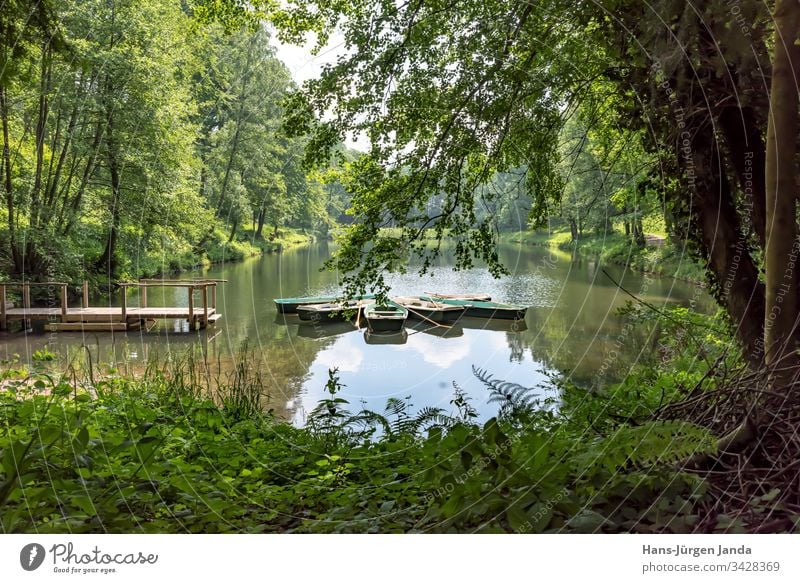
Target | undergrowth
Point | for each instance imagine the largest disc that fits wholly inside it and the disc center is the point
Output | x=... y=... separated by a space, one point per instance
x=162 y=453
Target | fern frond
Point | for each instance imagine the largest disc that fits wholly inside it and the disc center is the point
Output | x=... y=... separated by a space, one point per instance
x=511 y=397
x=367 y=419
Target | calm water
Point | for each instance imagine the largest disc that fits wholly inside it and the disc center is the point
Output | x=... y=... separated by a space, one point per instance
x=572 y=328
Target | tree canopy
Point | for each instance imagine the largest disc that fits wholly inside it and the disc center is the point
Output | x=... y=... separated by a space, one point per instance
x=140 y=137
x=449 y=95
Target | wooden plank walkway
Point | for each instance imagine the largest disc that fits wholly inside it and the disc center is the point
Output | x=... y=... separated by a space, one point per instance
x=113 y=319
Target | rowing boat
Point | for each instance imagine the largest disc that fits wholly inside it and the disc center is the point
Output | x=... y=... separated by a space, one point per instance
x=388 y=317
x=290 y=305
x=481 y=309
x=432 y=311
x=478 y=297
x=330 y=312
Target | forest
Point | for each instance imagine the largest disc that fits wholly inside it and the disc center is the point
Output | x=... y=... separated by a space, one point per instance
x=138 y=139
x=141 y=137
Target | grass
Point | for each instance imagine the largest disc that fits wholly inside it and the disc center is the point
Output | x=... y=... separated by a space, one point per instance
x=616 y=248
x=176 y=256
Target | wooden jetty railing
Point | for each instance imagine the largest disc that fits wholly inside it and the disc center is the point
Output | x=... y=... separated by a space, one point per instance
x=111 y=318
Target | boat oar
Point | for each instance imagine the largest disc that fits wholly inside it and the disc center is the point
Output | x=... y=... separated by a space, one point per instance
x=427 y=319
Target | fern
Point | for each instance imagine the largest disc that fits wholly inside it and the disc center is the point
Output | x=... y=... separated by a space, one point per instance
x=652 y=443
x=368 y=421
x=512 y=398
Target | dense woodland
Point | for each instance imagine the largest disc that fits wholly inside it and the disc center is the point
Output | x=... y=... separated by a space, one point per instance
x=170 y=128
x=138 y=138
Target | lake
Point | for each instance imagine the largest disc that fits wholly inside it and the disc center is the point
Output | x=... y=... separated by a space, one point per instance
x=572 y=328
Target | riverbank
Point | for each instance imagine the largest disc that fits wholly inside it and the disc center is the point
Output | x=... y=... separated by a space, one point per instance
x=661 y=258
x=155 y=454
x=178 y=256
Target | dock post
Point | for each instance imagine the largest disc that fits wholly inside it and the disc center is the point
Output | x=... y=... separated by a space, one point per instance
x=191 y=307
x=26 y=305
x=64 y=303
x=143 y=296
x=85 y=299
x=205 y=305
x=124 y=302
x=214 y=296
x=3 y=317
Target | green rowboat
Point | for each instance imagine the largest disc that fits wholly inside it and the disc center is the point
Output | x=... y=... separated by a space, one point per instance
x=479 y=309
x=430 y=311
x=290 y=305
x=389 y=317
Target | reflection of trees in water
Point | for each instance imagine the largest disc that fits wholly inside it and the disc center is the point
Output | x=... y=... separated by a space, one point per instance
x=516 y=347
x=279 y=358
x=589 y=348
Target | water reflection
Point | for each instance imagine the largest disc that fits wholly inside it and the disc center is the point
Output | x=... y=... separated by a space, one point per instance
x=572 y=326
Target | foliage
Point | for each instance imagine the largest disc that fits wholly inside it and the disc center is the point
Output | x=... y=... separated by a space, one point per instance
x=137 y=131
x=154 y=454
x=613 y=247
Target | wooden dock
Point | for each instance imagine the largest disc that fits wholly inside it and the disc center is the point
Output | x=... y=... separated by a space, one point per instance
x=199 y=314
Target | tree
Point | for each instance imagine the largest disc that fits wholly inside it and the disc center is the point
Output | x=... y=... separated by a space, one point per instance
x=25 y=28
x=445 y=97
x=449 y=95
x=782 y=316
x=241 y=90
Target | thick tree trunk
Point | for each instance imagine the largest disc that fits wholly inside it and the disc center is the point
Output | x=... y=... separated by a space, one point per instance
x=748 y=159
x=735 y=278
x=781 y=252
x=638 y=231
x=573 y=229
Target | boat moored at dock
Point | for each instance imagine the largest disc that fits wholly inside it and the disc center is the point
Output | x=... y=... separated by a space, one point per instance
x=387 y=317
x=330 y=312
x=290 y=305
x=482 y=309
x=431 y=311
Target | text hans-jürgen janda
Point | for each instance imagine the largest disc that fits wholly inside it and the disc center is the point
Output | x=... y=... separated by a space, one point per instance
x=684 y=550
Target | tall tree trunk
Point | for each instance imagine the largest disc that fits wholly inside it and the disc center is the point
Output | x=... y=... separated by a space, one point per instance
x=781 y=254
x=8 y=185
x=41 y=127
x=72 y=208
x=108 y=260
x=228 y=167
x=573 y=229
x=54 y=177
x=638 y=231
x=245 y=79
x=260 y=229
